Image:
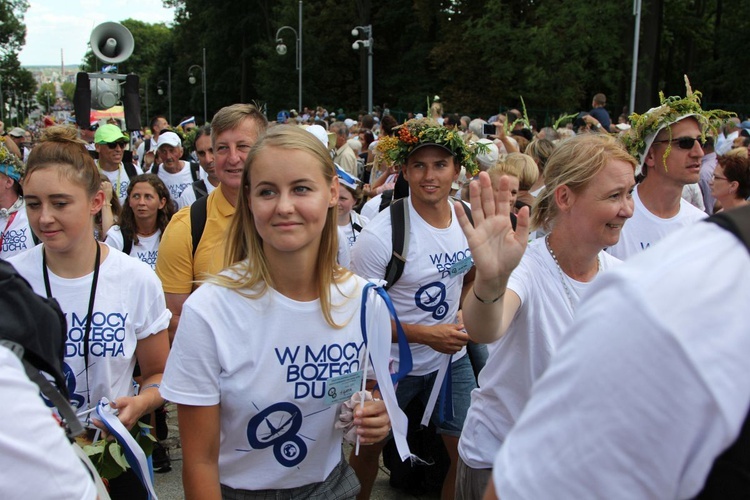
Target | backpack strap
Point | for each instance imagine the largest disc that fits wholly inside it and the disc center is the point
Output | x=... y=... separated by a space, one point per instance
x=130 y=169
x=399 y=238
x=385 y=199
x=155 y=168
x=73 y=426
x=736 y=222
x=195 y=171
x=199 y=188
x=127 y=243
x=146 y=149
x=198 y=216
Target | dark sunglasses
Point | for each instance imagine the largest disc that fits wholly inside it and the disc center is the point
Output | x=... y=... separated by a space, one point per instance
x=685 y=142
x=113 y=145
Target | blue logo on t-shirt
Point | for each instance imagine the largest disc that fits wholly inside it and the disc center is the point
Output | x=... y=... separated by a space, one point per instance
x=278 y=426
x=431 y=298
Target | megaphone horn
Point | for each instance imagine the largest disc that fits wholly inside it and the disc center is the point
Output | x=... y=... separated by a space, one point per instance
x=112 y=42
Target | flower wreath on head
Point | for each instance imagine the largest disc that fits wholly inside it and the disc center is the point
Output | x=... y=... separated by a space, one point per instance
x=397 y=148
x=10 y=164
x=645 y=127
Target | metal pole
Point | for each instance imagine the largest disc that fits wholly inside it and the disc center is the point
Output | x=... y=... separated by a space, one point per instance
x=636 y=43
x=369 y=70
x=2 y=101
x=205 y=90
x=169 y=93
x=148 y=115
x=299 y=55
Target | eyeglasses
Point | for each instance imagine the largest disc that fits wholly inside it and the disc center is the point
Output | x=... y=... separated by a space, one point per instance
x=684 y=142
x=714 y=177
x=113 y=145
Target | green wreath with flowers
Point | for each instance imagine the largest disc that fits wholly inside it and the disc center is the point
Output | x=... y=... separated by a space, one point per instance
x=668 y=112
x=397 y=148
x=9 y=160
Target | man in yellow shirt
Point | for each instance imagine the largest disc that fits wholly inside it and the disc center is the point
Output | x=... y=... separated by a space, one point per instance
x=234 y=130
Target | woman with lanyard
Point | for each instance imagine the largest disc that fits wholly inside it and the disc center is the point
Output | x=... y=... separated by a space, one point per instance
x=524 y=307
x=261 y=348
x=350 y=194
x=148 y=209
x=114 y=304
x=16 y=235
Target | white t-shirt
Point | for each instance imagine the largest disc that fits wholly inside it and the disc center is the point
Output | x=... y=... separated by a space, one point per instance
x=371 y=208
x=16 y=236
x=177 y=183
x=146 y=250
x=188 y=195
x=129 y=306
x=267 y=362
x=119 y=180
x=349 y=233
x=426 y=293
x=649 y=385
x=644 y=228
x=35 y=456
x=523 y=353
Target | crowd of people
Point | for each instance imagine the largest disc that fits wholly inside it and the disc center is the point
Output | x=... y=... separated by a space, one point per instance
x=228 y=268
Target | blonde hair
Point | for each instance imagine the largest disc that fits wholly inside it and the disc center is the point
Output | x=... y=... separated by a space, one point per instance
x=528 y=170
x=231 y=117
x=60 y=145
x=245 y=255
x=502 y=168
x=574 y=163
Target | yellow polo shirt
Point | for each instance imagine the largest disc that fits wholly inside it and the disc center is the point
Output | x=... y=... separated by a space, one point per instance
x=175 y=265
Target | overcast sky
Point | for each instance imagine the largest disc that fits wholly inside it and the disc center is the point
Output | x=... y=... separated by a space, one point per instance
x=52 y=25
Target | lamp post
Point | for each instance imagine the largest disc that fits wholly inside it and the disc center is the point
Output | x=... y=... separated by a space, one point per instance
x=11 y=101
x=160 y=91
x=368 y=43
x=192 y=81
x=281 y=50
x=2 y=101
x=636 y=41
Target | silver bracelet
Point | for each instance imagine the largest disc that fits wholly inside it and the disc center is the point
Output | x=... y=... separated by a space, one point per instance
x=149 y=386
x=480 y=299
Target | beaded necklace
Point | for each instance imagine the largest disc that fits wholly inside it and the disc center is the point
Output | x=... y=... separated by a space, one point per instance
x=563 y=275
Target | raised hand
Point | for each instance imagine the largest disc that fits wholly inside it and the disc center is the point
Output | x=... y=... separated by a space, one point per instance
x=495 y=247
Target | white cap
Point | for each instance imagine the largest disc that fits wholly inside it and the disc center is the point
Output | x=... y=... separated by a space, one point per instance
x=319 y=132
x=169 y=139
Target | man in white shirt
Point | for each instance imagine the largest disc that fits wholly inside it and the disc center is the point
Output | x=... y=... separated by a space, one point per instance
x=205 y=153
x=427 y=295
x=669 y=151
x=146 y=151
x=344 y=157
x=110 y=143
x=177 y=174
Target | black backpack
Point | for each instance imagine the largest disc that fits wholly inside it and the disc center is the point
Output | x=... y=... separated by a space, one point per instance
x=34 y=328
x=729 y=477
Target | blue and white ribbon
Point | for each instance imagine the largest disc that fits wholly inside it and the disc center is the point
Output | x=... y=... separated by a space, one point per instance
x=133 y=452
x=377 y=320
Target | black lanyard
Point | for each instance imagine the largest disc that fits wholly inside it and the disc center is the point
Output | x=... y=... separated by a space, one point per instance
x=88 y=316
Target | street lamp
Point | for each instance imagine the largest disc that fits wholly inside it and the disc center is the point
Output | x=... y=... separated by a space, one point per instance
x=160 y=90
x=281 y=50
x=192 y=81
x=2 y=101
x=368 y=43
x=11 y=102
x=47 y=94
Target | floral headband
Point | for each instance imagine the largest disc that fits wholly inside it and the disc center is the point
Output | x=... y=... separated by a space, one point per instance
x=417 y=133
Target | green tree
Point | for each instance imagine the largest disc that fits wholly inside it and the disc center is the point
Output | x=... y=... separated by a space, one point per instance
x=46 y=96
x=68 y=90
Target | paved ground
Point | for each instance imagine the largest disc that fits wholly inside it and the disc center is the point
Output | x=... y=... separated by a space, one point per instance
x=169 y=485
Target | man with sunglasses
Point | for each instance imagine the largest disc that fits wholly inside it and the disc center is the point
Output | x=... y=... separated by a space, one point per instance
x=667 y=142
x=110 y=143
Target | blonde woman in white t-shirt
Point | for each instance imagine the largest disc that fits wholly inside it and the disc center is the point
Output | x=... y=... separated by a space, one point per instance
x=523 y=308
x=258 y=346
x=114 y=305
